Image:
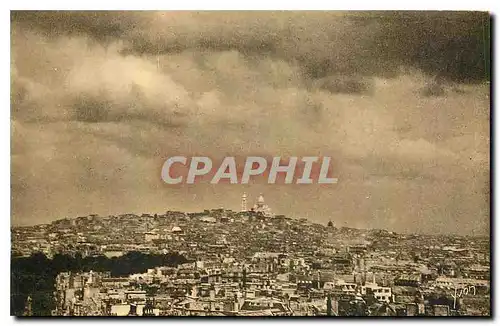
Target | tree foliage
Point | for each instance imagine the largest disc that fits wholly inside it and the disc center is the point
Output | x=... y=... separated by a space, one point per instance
x=35 y=275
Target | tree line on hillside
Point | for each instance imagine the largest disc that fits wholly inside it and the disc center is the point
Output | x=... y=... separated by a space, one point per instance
x=35 y=275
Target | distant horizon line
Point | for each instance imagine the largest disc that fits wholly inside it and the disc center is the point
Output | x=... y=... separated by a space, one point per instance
x=236 y=211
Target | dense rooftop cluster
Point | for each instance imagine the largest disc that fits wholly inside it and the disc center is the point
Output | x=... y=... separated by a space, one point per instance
x=249 y=263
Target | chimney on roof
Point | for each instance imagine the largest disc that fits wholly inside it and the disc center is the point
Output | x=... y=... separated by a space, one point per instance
x=194 y=292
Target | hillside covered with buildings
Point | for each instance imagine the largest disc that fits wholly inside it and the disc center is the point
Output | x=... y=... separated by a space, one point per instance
x=246 y=263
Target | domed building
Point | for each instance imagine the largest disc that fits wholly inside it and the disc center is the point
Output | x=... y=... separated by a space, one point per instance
x=261 y=207
x=176 y=230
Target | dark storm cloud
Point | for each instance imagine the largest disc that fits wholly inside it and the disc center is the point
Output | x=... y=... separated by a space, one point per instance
x=100 y=99
x=345 y=84
x=99 y=108
x=433 y=88
x=102 y=26
x=450 y=45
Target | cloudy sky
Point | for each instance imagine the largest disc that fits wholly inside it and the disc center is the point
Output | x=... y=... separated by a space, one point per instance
x=400 y=101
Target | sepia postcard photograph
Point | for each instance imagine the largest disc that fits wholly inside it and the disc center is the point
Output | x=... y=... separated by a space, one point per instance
x=250 y=164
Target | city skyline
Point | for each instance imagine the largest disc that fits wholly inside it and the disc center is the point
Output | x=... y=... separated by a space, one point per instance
x=259 y=163
x=400 y=103
x=250 y=208
x=245 y=263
